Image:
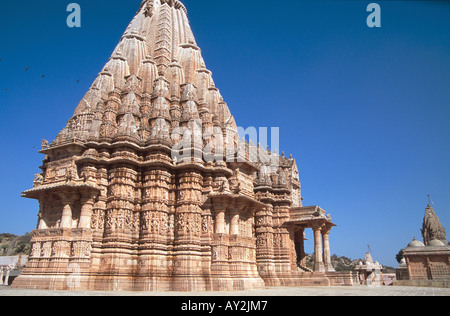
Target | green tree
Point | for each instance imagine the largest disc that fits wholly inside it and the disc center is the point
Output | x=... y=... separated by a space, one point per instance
x=399 y=256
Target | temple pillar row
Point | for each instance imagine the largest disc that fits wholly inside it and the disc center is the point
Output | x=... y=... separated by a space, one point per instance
x=322 y=252
x=67 y=210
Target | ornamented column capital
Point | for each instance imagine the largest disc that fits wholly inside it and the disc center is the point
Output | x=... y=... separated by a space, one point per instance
x=88 y=196
x=326 y=229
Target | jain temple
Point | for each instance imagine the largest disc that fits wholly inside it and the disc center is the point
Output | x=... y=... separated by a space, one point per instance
x=149 y=187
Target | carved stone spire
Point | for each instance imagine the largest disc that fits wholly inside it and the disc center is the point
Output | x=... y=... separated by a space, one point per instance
x=432 y=227
x=158 y=43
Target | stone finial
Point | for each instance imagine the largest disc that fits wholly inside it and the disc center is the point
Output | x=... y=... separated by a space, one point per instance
x=44 y=144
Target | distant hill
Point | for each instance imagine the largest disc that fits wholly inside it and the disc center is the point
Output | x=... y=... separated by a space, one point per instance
x=12 y=245
x=342 y=263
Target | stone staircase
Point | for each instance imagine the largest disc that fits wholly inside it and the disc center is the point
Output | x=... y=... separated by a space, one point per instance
x=304 y=269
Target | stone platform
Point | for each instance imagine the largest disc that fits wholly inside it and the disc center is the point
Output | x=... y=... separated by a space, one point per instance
x=270 y=291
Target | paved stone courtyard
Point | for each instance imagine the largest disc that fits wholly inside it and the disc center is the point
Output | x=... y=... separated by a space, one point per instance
x=271 y=291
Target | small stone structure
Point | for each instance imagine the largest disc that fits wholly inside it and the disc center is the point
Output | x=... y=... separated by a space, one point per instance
x=370 y=272
x=10 y=267
x=5 y=272
x=427 y=263
x=402 y=271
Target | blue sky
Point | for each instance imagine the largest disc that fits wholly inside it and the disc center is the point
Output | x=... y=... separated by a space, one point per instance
x=365 y=112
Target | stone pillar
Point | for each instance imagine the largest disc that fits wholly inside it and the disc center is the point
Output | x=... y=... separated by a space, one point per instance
x=264 y=246
x=234 y=223
x=66 y=219
x=429 y=274
x=318 y=252
x=408 y=265
x=41 y=222
x=220 y=221
x=1 y=275
x=220 y=267
x=187 y=251
x=99 y=209
x=156 y=229
x=8 y=271
x=326 y=250
x=361 y=277
x=87 y=204
x=300 y=246
x=68 y=201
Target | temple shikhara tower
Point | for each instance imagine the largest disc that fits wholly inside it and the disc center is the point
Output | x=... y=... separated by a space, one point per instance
x=149 y=187
x=432 y=228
